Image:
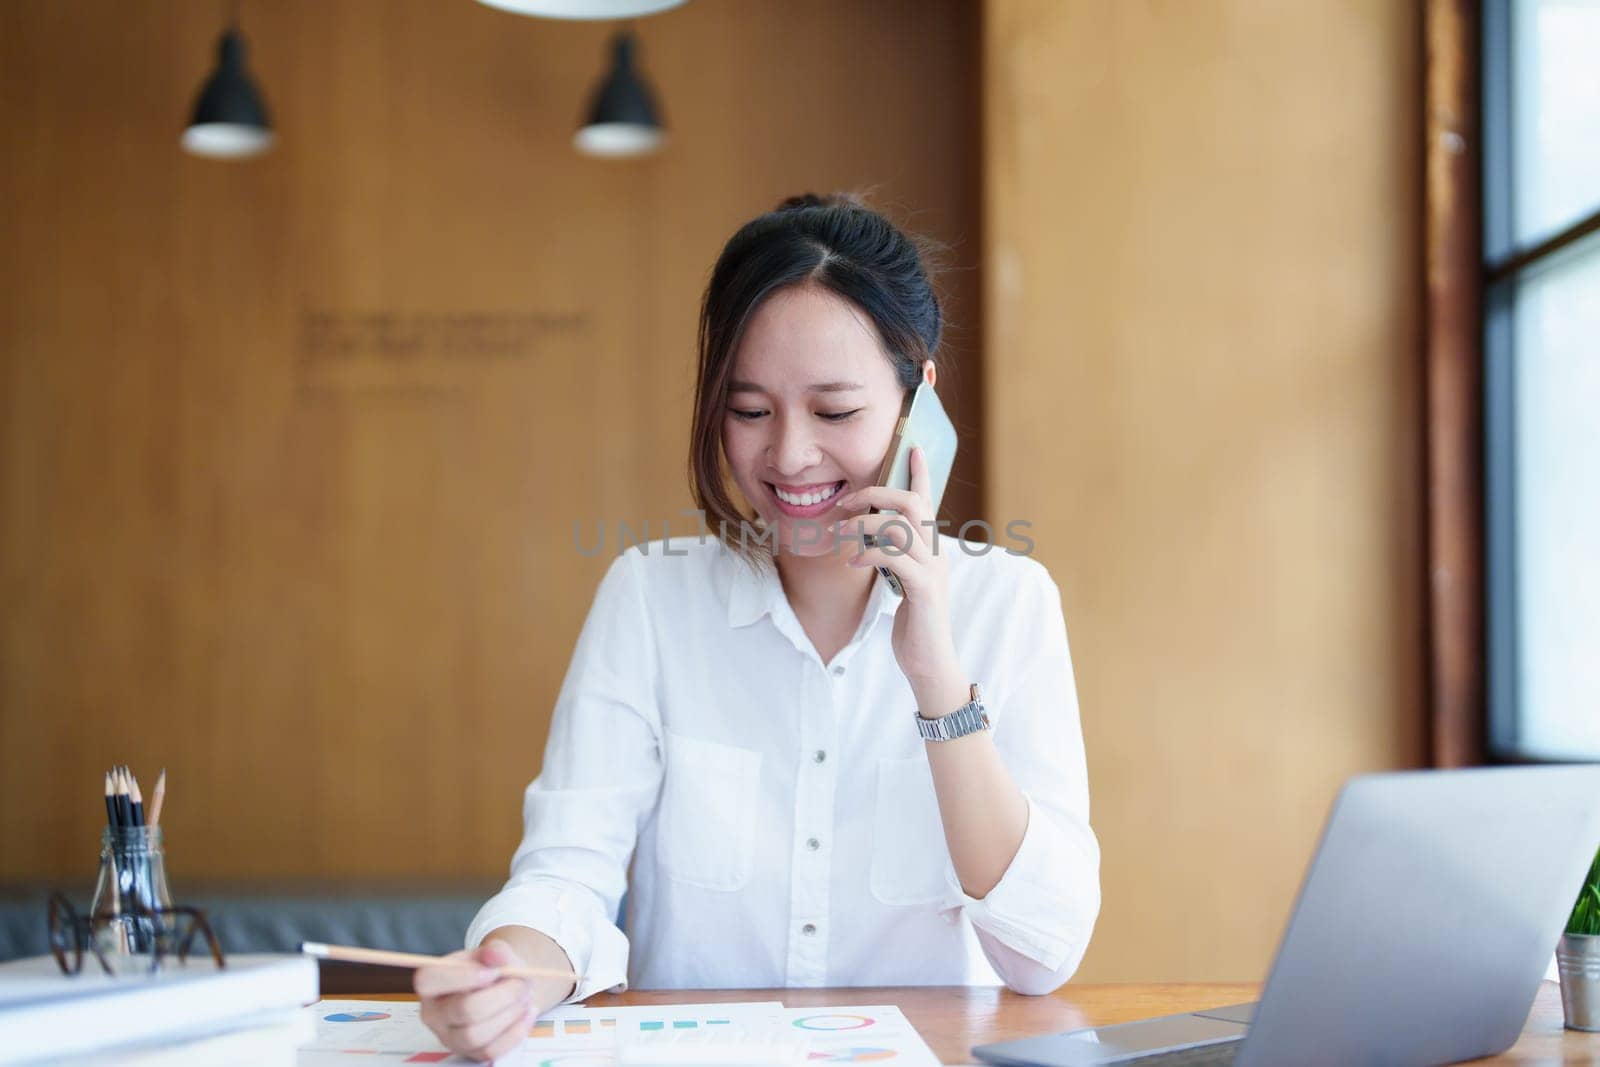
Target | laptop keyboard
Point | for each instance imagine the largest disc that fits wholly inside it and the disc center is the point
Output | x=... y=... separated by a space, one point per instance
x=1216 y=1054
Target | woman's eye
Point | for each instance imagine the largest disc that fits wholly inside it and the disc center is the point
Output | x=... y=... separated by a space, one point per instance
x=747 y=414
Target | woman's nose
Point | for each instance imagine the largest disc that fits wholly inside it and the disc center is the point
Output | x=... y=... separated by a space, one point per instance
x=792 y=451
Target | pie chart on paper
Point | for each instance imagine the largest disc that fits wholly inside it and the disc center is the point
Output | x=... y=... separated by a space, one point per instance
x=833 y=1022
x=854 y=1055
x=356 y=1016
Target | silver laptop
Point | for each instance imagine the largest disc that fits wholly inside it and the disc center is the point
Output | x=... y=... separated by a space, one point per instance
x=1421 y=932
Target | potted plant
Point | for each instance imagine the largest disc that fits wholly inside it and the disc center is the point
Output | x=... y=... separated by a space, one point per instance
x=1578 y=957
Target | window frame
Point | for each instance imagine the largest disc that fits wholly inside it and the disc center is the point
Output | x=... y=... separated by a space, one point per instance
x=1501 y=274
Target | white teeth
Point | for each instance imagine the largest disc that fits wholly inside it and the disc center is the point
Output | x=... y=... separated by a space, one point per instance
x=806 y=499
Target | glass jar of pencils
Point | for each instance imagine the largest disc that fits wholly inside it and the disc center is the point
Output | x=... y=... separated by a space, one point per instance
x=131 y=888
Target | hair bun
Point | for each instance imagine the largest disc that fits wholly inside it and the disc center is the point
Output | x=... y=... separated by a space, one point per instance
x=805 y=200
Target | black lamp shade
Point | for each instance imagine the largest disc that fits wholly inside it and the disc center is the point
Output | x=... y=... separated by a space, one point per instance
x=230 y=120
x=622 y=117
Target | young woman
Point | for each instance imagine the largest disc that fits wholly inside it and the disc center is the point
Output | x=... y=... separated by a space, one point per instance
x=741 y=723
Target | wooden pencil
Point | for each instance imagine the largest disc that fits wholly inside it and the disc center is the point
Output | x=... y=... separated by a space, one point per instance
x=157 y=798
x=385 y=958
x=124 y=809
x=116 y=908
x=136 y=800
x=111 y=803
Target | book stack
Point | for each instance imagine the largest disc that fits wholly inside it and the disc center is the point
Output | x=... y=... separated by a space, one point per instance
x=247 y=1012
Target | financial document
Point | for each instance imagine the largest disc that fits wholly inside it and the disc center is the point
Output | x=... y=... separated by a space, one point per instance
x=391 y=1032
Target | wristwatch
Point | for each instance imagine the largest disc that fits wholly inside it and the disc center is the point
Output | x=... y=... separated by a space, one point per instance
x=969 y=718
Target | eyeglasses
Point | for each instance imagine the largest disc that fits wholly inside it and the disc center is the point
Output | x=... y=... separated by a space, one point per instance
x=161 y=933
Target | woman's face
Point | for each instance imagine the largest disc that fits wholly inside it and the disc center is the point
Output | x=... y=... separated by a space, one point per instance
x=811 y=408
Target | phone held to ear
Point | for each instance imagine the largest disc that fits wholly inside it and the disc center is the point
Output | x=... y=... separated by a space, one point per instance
x=923 y=424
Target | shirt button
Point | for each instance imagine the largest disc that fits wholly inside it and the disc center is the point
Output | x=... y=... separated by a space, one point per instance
x=819 y=757
x=809 y=929
x=838 y=672
x=813 y=844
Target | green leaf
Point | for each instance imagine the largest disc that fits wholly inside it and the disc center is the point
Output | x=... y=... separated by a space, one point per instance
x=1585 y=918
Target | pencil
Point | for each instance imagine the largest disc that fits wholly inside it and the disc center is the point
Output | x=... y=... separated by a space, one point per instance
x=157 y=797
x=111 y=803
x=138 y=800
x=383 y=958
x=116 y=907
x=124 y=809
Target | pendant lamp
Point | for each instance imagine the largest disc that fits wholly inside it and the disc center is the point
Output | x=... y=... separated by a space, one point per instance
x=622 y=120
x=230 y=120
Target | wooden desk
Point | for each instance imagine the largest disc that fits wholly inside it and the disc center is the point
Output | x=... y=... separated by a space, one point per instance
x=953 y=1019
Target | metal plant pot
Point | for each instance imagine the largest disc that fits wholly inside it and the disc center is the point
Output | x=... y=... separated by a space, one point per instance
x=1578 y=961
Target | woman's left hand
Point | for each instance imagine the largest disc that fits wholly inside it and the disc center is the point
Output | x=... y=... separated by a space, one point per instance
x=923 y=643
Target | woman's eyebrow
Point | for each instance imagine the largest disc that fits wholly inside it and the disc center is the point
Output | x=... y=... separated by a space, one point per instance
x=818 y=387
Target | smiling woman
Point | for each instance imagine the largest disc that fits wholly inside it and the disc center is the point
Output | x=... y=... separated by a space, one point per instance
x=784 y=761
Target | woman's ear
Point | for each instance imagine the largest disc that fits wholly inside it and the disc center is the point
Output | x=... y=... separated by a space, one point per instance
x=930 y=373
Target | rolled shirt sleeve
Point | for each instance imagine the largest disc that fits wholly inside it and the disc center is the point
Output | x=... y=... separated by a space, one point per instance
x=1034 y=925
x=600 y=780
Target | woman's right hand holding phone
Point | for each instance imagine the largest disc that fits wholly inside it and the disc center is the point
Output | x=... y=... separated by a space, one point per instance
x=477 y=1012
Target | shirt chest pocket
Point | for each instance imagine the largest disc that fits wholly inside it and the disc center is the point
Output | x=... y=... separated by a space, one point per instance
x=706 y=832
x=909 y=855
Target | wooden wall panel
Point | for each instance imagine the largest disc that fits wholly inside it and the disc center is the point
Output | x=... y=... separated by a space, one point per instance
x=291 y=450
x=1203 y=279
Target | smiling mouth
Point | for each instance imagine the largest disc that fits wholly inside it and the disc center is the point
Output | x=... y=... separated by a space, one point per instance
x=811 y=498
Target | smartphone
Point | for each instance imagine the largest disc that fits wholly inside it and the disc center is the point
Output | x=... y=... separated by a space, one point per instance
x=923 y=424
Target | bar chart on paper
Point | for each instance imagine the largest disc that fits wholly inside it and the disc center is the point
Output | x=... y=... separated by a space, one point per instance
x=571 y=1036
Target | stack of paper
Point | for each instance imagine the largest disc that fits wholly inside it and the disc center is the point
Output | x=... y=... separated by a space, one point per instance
x=250 y=1011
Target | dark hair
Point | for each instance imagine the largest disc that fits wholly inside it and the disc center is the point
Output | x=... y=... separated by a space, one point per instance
x=838 y=243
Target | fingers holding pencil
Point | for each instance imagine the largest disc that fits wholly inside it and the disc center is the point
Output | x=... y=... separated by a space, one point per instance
x=472 y=1005
x=459 y=972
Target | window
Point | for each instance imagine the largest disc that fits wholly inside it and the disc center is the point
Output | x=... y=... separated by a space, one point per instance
x=1541 y=239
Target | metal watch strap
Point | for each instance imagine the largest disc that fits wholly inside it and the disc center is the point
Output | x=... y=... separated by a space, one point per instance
x=969 y=718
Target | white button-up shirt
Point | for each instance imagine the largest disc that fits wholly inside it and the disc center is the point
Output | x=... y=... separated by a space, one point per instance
x=778 y=811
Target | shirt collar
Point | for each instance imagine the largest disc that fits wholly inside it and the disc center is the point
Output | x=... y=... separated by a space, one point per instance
x=755 y=590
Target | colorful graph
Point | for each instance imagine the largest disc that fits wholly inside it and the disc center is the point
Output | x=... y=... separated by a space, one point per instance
x=547 y=1029
x=576 y=1036
x=661 y=1024
x=834 y=1022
